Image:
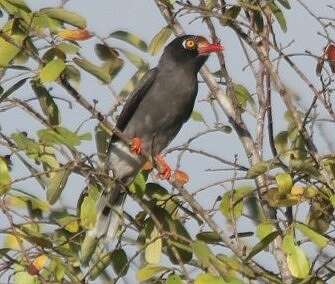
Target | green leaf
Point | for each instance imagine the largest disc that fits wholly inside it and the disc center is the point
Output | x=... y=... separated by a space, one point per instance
x=58 y=268
x=285 y=3
x=88 y=211
x=258 y=169
x=46 y=101
x=156 y=192
x=131 y=39
x=209 y=237
x=279 y=15
x=138 y=185
x=210 y=4
x=314 y=236
x=5 y=179
x=7 y=52
x=23 y=277
x=202 y=252
x=284 y=182
x=69 y=223
x=61 y=135
x=207 y=278
x=65 y=16
x=105 y=73
x=52 y=70
x=135 y=59
x=56 y=184
x=243 y=96
x=103 y=261
x=12 y=89
x=72 y=74
x=21 y=58
x=53 y=53
x=35 y=237
x=120 y=262
x=153 y=249
x=149 y=271
x=264 y=229
x=259 y=21
x=264 y=243
x=197 y=116
x=281 y=142
x=68 y=48
x=332 y=200
x=320 y=214
x=232 y=202
x=230 y=15
x=105 y=52
x=87 y=249
x=25 y=143
x=233 y=263
x=182 y=247
x=297 y=261
x=173 y=279
x=20 y=4
x=101 y=141
x=9 y=49
x=159 y=40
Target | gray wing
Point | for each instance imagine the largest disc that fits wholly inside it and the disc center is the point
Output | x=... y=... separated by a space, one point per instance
x=135 y=99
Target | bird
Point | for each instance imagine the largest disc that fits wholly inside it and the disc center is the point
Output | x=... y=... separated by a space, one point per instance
x=152 y=116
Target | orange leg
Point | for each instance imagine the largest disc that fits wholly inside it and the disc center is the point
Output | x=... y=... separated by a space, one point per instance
x=136 y=145
x=180 y=178
x=163 y=167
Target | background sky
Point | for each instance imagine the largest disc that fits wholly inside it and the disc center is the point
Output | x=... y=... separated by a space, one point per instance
x=143 y=19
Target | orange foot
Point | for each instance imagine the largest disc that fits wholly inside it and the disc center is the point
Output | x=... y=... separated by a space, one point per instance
x=180 y=178
x=136 y=145
x=163 y=167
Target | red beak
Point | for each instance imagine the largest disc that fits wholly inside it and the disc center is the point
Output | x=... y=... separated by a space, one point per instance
x=206 y=47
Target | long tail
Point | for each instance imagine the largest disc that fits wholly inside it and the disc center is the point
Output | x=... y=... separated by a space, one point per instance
x=109 y=213
x=109 y=219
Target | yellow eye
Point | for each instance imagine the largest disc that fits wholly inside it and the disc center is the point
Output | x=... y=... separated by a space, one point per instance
x=189 y=43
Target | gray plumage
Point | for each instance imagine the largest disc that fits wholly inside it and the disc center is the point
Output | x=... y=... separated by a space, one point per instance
x=154 y=112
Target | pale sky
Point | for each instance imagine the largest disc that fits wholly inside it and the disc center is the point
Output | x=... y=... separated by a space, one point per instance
x=143 y=18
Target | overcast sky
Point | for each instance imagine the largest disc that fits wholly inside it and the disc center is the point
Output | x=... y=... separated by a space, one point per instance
x=143 y=18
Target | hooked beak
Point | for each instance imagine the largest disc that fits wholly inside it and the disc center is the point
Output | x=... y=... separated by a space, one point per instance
x=206 y=48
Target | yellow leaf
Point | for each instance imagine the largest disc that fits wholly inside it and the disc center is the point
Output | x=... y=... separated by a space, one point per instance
x=52 y=70
x=75 y=34
x=11 y=242
x=154 y=248
x=5 y=178
x=297 y=190
x=149 y=271
x=159 y=40
x=284 y=182
x=40 y=261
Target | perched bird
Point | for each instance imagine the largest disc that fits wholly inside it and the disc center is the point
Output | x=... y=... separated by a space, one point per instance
x=152 y=116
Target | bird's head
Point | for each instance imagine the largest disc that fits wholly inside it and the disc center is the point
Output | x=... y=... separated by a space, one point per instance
x=190 y=50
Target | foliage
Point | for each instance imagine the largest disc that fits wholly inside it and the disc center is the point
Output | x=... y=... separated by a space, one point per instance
x=179 y=236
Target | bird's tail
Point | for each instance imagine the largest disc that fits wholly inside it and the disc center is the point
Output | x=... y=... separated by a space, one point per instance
x=109 y=218
x=109 y=213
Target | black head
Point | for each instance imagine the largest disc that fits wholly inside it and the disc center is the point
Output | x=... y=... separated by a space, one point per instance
x=189 y=50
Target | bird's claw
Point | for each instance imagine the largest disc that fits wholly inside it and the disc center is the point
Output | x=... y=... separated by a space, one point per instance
x=165 y=173
x=164 y=169
x=136 y=145
x=180 y=178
